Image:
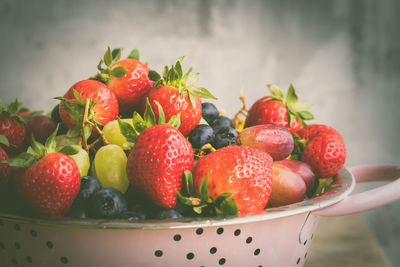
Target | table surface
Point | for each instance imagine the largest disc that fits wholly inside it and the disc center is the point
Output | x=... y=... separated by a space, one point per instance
x=345 y=241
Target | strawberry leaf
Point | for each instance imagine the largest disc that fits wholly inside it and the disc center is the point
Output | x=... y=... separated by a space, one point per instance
x=77 y=97
x=202 y=92
x=87 y=131
x=75 y=131
x=149 y=116
x=291 y=97
x=275 y=91
x=299 y=146
x=188 y=181
x=107 y=58
x=154 y=76
x=127 y=131
x=184 y=200
x=178 y=69
x=306 y=115
x=204 y=189
x=4 y=140
x=50 y=144
x=138 y=123
x=175 y=121
x=118 y=71
x=134 y=54
x=38 y=148
x=161 y=115
x=69 y=150
x=23 y=160
x=192 y=99
x=227 y=207
x=116 y=55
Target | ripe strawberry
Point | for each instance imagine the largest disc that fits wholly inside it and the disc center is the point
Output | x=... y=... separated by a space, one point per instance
x=12 y=126
x=5 y=169
x=246 y=172
x=176 y=93
x=127 y=78
x=324 y=149
x=105 y=108
x=157 y=162
x=275 y=109
x=50 y=180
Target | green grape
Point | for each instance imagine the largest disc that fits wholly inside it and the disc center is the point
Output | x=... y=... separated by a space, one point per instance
x=110 y=167
x=113 y=134
x=82 y=160
x=64 y=140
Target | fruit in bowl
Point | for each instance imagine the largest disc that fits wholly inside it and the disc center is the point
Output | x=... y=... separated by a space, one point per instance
x=131 y=144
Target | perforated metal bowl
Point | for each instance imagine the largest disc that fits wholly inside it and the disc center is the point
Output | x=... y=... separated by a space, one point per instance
x=274 y=237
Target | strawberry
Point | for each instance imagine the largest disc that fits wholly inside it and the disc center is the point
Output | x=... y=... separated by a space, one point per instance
x=4 y=167
x=323 y=149
x=105 y=108
x=246 y=172
x=49 y=180
x=176 y=93
x=127 y=78
x=275 y=109
x=157 y=162
x=12 y=126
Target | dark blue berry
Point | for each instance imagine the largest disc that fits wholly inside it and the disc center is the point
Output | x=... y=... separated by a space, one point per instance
x=89 y=185
x=201 y=134
x=222 y=121
x=168 y=214
x=133 y=215
x=209 y=112
x=224 y=136
x=107 y=203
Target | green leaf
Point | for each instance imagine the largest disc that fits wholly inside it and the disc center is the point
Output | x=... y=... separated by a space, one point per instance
x=184 y=200
x=118 y=71
x=37 y=147
x=275 y=91
x=165 y=71
x=87 y=131
x=222 y=198
x=161 y=115
x=107 y=58
x=175 y=121
x=202 y=92
x=192 y=79
x=178 y=69
x=154 y=76
x=127 y=131
x=149 y=116
x=302 y=106
x=291 y=96
x=74 y=131
x=188 y=179
x=3 y=139
x=306 y=115
x=192 y=99
x=138 y=123
x=204 y=189
x=134 y=54
x=50 y=144
x=116 y=55
x=13 y=106
x=77 y=96
x=69 y=150
x=228 y=207
x=198 y=210
x=24 y=160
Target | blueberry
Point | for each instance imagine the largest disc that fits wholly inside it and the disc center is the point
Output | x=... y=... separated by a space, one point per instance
x=107 y=203
x=223 y=121
x=168 y=214
x=209 y=112
x=55 y=114
x=78 y=210
x=133 y=215
x=89 y=185
x=224 y=136
x=201 y=134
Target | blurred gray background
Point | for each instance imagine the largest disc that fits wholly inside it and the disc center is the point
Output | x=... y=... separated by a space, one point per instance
x=342 y=56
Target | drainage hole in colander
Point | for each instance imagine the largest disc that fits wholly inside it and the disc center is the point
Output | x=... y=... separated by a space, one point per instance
x=64 y=260
x=305 y=255
x=249 y=239
x=49 y=244
x=17 y=245
x=189 y=256
x=298 y=261
x=199 y=231
x=312 y=236
x=256 y=252
x=213 y=250
x=14 y=262
x=33 y=233
x=158 y=253
x=177 y=237
x=220 y=230
x=17 y=227
x=221 y=261
x=237 y=232
x=305 y=242
x=29 y=259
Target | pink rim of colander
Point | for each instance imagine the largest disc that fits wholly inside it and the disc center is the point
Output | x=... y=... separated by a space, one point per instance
x=336 y=201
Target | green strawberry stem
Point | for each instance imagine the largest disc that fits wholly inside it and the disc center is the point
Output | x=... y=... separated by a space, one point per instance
x=204 y=205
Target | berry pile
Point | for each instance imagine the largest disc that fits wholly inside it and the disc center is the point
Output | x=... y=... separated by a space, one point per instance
x=130 y=143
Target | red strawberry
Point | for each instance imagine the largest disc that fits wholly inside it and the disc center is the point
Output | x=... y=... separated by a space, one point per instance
x=12 y=126
x=50 y=180
x=5 y=169
x=127 y=78
x=157 y=162
x=324 y=151
x=275 y=109
x=246 y=172
x=176 y=93
x=105 y=109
